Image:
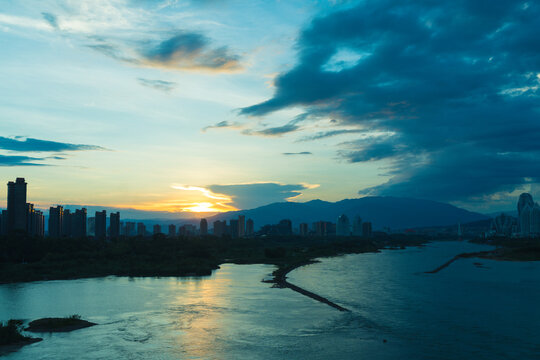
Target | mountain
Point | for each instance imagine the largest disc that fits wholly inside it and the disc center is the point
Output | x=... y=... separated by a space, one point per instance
x=392 y=212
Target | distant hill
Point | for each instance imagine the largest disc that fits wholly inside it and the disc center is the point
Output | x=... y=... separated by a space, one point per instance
x=392 y=212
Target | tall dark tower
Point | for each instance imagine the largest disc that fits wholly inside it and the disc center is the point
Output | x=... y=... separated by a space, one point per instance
x=16 y=205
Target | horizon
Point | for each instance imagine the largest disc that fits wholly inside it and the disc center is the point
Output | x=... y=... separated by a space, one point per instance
x=202 y=107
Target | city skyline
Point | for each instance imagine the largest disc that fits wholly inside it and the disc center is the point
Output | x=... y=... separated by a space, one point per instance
x=207 y=104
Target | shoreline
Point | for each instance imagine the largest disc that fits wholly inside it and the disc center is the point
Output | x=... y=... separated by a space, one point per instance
x=280 y=280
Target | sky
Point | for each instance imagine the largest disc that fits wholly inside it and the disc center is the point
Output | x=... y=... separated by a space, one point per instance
x=202 y=106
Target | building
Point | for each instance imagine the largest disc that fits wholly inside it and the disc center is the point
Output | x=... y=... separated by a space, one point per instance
x=91 y=229
x=203 y=227
x=219 y=228
x=35 y=221
x=172 y=230
x=141 y=229
x=343 y=226
x=157 y=229
x=3 y=223
x=357 y=226
x=233 y=226
x=304 y=229
x=366 y=229
x=66 y=223
x=78 y=223
x=101 y=225
x=241 y=226
x=525 y=205
x=535 y=220
x=114 y=225
x=129 y=229
x=56 y=216
x=503 y=225
x=284 y=227
x=250 y=228
x=16 y=205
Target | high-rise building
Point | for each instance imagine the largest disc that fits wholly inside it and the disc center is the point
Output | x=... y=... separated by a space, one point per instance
x=303 y=229
x=343 y=226
x=66 y=223
x=219 y=228
x=141 y=229
x=56 y=216
x=91 y=229
x=172 y=230
x=284 y=227
x=114 y=225
x=16 y=206
x=366 y=229
x=129 y=229
x=357 y=226
x=203 y=227
x=525 y=206
x=78 y=223
x=233 y=224
x=241 y=226
x=535 y=220
x=250 y=228
x=101 y=225
x=157 y=229
x=3 y=223
x=35 y=221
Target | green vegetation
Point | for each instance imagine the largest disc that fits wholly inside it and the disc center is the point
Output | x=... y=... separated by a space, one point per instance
x=69 y=323
x=24 y=258
x=510 y=249
x=10 y=334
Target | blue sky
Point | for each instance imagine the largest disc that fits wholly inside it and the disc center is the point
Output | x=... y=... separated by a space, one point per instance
x=217 y=105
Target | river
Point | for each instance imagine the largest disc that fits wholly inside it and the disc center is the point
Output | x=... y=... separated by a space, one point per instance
x=473 y=309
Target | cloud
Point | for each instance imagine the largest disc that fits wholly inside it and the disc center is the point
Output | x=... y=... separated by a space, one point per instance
x=223 y=125
x=162 y=85
x=248 y=196
x=6 y=160
x=37 y=145
x=326 y=134
x=273 y=131
x=188 y=50
x=51 y=19
x=455 y=83
x=297 y=153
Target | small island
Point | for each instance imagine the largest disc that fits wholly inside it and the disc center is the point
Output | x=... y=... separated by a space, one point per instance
x=11 y=338
x=66 y=324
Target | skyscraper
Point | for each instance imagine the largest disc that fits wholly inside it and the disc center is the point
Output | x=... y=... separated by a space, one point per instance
x=366 y=229
x=219 y=228
x=114 y=225
x=357 y=226
x=303 y=229
x=233 y=224
x=78 y=223
x=157 y=229
x=141 y=229
x=241 y=226
x=101 y=225
x=3 y=222
x=66 y=223
x=343 y=226
x=16 y=206
x=56 y=216
x=130 y=229
x=203 y=227
x=525 y=206
x=172 y=230
x=250 y=228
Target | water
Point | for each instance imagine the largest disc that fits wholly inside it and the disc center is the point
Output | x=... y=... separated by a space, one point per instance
x=465 y=311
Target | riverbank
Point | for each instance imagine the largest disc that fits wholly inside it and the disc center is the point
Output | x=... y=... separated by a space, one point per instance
x=27 y=259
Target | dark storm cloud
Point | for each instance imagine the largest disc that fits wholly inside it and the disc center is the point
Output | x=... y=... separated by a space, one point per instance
x=248 y=196
x=162 y=85
x=37 y=145
x=456 y=82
